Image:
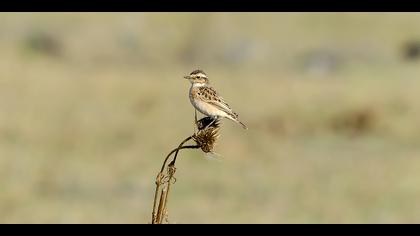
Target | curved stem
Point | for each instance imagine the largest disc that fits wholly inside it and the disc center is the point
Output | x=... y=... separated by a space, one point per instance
x=175 y=150
x=171 y=170
x=184 y=147
x=155 y=216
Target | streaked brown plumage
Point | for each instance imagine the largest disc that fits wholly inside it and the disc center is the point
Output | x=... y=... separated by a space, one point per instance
x=206 y=99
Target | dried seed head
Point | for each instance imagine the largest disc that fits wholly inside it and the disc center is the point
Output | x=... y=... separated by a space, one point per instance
x=204 y=122
x=208 y=133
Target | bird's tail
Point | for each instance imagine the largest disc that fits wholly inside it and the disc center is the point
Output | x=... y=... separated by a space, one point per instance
x=243 y=125
x=235 y=118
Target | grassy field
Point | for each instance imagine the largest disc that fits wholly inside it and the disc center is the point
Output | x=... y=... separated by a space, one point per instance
x=92 y=103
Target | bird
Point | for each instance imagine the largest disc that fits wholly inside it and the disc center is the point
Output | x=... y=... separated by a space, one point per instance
x=206 y=100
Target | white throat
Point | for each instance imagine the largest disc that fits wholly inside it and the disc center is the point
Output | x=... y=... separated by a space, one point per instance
x=198 y=84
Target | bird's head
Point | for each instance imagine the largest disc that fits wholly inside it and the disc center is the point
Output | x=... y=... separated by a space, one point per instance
x=197 y=77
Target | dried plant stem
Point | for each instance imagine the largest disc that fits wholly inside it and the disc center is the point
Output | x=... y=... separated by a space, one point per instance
x=162 y=201
x=205 y=139
x=158 y=183
x=163 y=182
x=175 y=150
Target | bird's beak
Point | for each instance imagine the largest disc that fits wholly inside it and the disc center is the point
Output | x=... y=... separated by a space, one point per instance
x=187 y=77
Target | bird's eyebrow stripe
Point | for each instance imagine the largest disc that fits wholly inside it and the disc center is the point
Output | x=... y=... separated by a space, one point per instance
x=197 y=72
x=201 y=75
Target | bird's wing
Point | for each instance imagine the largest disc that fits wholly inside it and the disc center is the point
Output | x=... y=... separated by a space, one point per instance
x=209 y=95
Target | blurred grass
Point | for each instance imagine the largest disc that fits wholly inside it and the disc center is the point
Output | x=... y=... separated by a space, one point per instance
x=91 y=103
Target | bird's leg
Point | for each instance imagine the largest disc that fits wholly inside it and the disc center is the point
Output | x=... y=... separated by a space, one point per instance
x=195 y=116
x=195 y=119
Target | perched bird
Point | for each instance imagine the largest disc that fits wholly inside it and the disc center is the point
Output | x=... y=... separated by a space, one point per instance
x=206 y=100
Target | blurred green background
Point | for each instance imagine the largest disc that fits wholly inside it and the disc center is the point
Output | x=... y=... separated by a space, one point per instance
x=91 y=103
